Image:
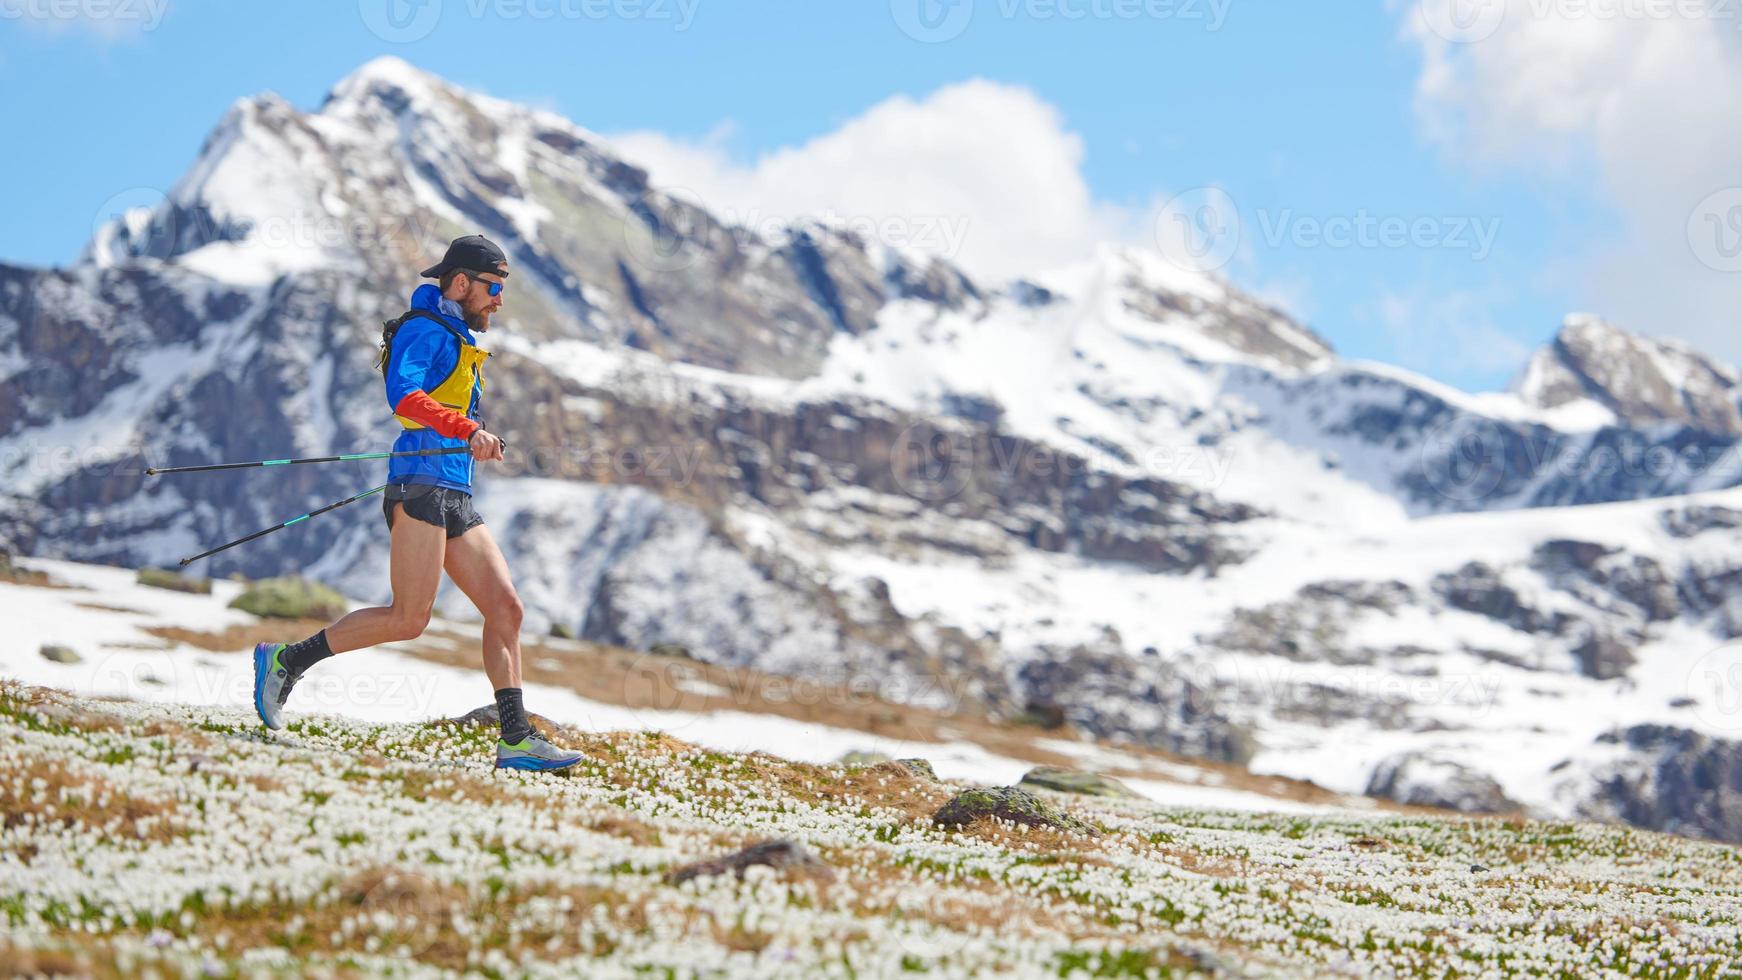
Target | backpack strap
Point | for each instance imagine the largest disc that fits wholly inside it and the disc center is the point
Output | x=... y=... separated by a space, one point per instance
x=390 y=329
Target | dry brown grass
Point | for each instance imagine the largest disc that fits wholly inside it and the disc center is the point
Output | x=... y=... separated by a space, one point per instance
x=60 y=707
x=15 y=962
x=100 y=607
x=13 y=575
x=240 y=638
x=85 y=801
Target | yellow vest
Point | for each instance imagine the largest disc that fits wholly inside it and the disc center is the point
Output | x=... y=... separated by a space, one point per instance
x=455 y=391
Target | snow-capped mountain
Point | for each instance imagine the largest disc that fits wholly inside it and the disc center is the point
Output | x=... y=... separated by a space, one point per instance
x=1610 y=375
x=1120 y=492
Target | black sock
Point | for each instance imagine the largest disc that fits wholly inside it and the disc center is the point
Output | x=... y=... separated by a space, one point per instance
x=512 y=714
x=299 y=657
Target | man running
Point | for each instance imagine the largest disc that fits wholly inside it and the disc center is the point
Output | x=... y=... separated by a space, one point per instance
x=434 y=383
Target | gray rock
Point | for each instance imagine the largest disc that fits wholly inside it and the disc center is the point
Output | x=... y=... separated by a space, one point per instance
x=1478 y=588
x=1674 y=780
x=1685 y=522
x=488 y=716
x=919 y=767
x=60 y=654
x=1604 y=657
x=788 y=857
x=164 y=578
x=1071 y=781
x=1642 y=380
x=1417 y=779
x=1009 y=803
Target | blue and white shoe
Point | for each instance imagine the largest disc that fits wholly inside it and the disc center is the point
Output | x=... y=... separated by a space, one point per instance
x=272 y=684
x=534 y=754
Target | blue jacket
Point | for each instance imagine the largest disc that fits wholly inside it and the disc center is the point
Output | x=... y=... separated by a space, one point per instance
x=423 y=354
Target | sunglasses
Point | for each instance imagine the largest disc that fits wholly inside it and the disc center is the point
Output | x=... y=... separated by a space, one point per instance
x=495 y=287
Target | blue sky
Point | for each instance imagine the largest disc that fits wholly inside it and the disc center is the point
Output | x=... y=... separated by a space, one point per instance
x=1298 y=116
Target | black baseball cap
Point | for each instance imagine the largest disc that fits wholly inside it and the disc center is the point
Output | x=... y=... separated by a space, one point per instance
x=473 y=253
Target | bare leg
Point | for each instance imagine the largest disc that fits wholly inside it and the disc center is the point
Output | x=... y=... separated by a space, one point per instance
x=476 y=565
x=416 y=574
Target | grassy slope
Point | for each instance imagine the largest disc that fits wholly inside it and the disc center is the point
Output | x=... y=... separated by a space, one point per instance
x=188 y=838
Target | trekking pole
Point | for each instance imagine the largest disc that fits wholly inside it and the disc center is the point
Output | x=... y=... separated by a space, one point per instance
x=155 y=471
x=280 y=527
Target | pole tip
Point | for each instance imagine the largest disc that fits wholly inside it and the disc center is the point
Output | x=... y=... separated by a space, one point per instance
x=150 y=471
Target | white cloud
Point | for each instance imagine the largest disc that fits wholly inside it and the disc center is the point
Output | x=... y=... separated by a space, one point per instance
x=1634 y=102
x=107 y=19
x=983 y=172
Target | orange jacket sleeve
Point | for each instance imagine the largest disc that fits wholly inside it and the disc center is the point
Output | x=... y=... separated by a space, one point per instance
x=419 y=407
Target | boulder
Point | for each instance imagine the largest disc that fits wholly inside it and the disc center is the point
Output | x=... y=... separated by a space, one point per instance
x=163 y=578
x=1670 y=779
x=290 y=598
x=60 y=654
x=1417 y=779
x=919 y=767
x=1070 y=781
x=487 y=716
x=1010 y=803
x=787 y=857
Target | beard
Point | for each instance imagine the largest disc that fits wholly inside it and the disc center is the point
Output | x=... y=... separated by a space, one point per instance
x=478 y=321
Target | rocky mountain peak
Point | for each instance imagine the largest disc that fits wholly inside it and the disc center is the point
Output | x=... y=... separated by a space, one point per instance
x=1642 y=380
x=1206 y=315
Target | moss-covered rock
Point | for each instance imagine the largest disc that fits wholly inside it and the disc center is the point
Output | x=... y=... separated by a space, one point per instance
x=164 y=578
x=60 y=654
x=863 y=757
x=1070 y=781
x=290 y=598
x=562 y=631
x=1009 y=803
x=919 y=767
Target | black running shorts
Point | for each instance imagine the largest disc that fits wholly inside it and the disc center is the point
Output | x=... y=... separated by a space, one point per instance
x=445 y=508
